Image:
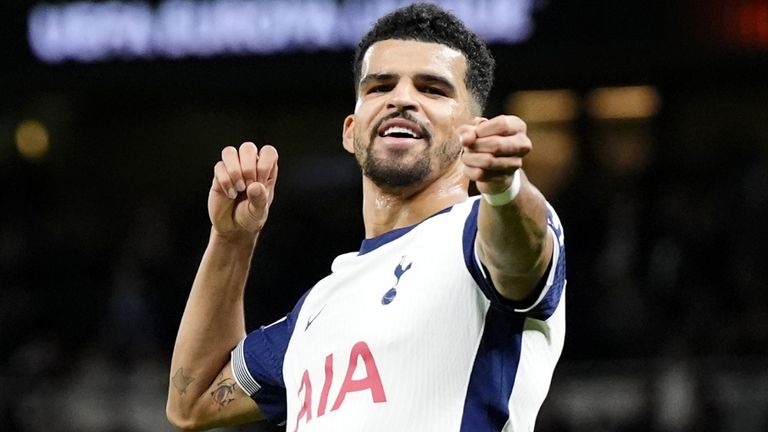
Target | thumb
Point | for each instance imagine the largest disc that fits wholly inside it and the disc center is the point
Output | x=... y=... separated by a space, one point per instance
x=258 y=197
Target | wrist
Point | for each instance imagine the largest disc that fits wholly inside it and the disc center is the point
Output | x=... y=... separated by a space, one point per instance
x=507 y=195
x=238 y=239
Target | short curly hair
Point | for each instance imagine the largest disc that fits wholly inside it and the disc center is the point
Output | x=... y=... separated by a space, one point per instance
x=429 y=23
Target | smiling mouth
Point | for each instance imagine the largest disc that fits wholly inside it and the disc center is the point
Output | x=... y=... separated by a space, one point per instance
x=401 y=128
x=400 y=132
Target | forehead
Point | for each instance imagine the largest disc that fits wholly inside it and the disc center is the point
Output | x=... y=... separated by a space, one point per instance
x=408 y=57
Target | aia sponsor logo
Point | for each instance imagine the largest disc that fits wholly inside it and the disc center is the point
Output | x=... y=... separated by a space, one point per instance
x=369 y=382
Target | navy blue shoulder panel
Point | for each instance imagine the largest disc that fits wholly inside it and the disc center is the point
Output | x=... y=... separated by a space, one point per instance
x=545 y=306
x=264 y=351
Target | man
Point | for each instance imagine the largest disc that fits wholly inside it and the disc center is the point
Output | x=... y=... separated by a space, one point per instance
x=451 y=315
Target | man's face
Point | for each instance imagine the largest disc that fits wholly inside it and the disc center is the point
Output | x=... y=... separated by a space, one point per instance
x=411 y=98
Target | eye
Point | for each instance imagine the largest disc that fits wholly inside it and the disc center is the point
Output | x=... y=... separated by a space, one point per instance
x=381 y=88
x=434 y=91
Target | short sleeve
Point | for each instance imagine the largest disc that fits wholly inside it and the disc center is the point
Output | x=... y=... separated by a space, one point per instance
x=543 y=301
x=257 y=364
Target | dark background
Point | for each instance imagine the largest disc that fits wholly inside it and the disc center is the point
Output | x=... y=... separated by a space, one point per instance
x=668 y=288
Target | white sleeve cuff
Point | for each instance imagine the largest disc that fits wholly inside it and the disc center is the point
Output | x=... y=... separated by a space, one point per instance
x=550 y=275
x=240 y=371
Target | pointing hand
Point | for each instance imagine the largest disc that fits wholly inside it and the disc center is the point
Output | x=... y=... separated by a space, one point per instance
x=493 y=151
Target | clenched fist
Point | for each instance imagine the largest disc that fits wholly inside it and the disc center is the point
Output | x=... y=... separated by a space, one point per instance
x=243 y=189
x=493 y=151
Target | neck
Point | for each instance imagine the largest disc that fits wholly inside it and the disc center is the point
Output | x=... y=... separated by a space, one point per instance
x=385 y=210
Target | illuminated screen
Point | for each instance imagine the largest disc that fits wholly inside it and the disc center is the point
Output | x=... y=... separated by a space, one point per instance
x=88 y=31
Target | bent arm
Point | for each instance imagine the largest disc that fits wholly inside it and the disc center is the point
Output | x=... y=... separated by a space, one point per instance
x=513 y=241
x=203 y=393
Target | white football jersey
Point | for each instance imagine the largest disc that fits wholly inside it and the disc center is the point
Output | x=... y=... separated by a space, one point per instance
x=409 y=334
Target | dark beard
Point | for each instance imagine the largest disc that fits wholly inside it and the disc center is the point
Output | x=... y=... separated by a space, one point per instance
x=389 y=174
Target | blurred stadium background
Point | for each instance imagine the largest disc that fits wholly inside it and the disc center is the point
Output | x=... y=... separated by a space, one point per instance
x=650 y=124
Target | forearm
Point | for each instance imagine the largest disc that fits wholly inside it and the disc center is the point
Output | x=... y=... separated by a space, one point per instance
x=513 y=243
x=213 y=320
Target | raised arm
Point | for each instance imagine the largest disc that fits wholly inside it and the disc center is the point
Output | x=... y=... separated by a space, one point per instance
x=512 y=239
x=202 y=392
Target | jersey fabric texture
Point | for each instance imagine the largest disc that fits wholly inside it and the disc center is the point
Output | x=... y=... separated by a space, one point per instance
x=409 y=334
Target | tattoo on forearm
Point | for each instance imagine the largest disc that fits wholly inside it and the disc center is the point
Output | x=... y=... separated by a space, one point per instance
x=181 y=381
x=224 y=393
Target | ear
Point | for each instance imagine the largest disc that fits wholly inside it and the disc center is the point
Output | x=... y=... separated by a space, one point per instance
x=348 y=134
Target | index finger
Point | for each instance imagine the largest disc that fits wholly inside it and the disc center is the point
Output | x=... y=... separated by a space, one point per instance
x=467 y=132
x=504 y=125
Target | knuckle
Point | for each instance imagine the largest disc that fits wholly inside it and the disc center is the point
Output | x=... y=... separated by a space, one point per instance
x=487 y=161
x=509 y=123
x=497 y=148
x=514 y=124
x=518 y=145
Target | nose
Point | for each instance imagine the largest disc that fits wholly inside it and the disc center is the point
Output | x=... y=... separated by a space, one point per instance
x=403 y=97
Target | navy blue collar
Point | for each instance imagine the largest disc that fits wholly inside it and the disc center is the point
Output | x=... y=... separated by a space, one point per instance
x=373 y=243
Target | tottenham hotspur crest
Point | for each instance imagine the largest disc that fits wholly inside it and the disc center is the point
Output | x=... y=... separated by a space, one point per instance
x=399 y=271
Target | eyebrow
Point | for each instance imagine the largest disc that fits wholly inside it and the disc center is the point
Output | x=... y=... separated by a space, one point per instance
x=377 y=77
x=425 y=77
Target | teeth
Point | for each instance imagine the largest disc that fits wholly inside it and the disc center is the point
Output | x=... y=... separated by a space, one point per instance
x=402 y=130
